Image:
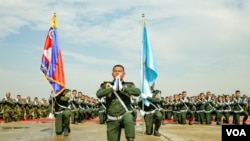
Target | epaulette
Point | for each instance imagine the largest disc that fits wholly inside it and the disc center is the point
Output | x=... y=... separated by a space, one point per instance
x=130 y=83
x=105 y=82
x=155 y=92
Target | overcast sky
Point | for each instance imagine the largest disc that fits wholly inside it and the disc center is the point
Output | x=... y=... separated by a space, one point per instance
x=199 y=45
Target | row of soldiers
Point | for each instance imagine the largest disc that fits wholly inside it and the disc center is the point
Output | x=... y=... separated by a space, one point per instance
x=206 y=107
x=16 y=109
x=203 y=108
x=82 y=107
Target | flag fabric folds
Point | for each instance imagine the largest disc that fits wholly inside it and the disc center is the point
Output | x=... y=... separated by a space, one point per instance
x=52 y=62
x=148 y=70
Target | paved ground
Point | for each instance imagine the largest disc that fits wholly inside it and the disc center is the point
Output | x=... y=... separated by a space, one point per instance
x=43 y=130
x=92 y=131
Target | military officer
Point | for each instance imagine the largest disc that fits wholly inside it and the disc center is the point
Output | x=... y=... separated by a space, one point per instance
x=118 y=105
x=62 y=113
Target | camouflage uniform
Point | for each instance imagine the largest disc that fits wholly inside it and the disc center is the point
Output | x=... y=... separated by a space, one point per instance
x=8 y=105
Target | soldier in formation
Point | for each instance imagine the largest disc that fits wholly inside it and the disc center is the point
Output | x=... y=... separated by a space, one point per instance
x=118 y=105
x=207 y=107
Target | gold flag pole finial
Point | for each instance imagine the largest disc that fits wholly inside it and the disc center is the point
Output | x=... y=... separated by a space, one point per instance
x=54 y=21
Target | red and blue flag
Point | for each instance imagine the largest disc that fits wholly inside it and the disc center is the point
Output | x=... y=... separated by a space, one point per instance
x=52 y=61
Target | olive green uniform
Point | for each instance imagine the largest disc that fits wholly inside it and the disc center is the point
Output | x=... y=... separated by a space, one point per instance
x=153 y=115
x=102 y=111
x=74 y=110
x=62 y=113
x=219 y=111
x=239 y=111
x=117 y=115
x=209 y=110
x=200 y=110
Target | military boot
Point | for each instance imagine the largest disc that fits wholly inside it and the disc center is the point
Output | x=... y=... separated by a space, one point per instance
x=66 y=131
x=156 y=133
x=130 y=139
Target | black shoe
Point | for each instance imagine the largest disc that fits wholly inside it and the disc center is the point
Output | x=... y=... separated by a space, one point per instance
x=148 y=133
x=58 y=133
x=66 y=131
x=156 y=133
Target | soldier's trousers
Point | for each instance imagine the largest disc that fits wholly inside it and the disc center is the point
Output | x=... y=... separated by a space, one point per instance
x=74 y=116
x=102 y=117
x=201 y=116
x=169 y=115
x=226 y=115
x=114 y=128
x=190 y=115
x=182 y=116
x=236 y=117
x=175 y=116
x=151 y=120
x=208 y=116
x=134 y=113
x=62 y=121
x=163 y=115
x=218 y=116
x=7 y=115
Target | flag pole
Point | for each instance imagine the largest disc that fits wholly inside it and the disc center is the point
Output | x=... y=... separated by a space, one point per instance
x=54 y=23
x=142 y=70
x=52 y=115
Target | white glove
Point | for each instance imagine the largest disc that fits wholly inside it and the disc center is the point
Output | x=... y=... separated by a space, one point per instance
x=117 y=84
x=142 y=113
x=120 y=83
x=51 y=115
x=143 y=95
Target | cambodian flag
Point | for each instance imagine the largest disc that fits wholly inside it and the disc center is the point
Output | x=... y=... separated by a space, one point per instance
x=52 y=62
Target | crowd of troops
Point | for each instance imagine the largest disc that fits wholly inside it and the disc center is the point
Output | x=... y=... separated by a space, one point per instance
x=206 y=108
x=18 y=108
x=82 y=107
x=180 y=108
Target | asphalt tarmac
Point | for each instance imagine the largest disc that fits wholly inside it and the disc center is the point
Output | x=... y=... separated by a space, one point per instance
x=43 y=130
x=91 y=130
